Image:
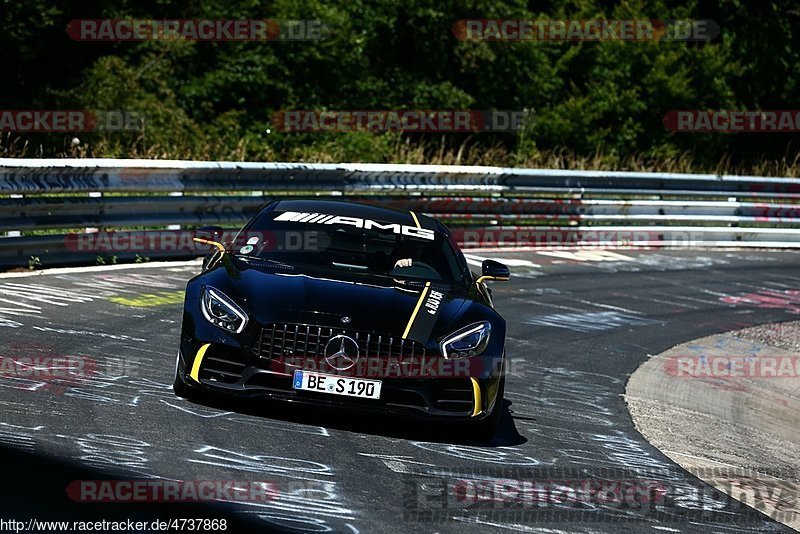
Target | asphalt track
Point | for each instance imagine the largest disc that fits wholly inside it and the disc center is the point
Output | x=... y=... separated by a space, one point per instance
x=578 y=326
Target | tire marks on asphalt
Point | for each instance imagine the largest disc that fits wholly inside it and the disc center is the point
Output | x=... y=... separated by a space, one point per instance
x=589 y=321
x=569 y=413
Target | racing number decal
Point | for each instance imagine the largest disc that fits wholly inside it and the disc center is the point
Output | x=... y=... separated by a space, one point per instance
x=424 y=316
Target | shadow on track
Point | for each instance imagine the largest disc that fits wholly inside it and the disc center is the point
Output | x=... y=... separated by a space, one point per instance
x=35 y=487
x=387 y=426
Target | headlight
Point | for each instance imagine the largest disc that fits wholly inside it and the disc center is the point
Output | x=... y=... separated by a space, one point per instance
x=467 y=342
x=221 y=311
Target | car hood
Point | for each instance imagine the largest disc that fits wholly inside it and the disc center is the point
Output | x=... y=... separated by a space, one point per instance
x=372 y=303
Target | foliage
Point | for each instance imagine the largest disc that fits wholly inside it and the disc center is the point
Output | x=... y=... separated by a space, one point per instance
x=601 y=102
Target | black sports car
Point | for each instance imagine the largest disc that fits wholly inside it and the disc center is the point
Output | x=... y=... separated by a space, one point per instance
x=349 y=306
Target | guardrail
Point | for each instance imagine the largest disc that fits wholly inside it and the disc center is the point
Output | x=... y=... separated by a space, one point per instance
x=47 y=205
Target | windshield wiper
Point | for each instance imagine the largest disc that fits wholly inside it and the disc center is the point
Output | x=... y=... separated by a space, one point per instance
x=255 y=259
x=350 y=266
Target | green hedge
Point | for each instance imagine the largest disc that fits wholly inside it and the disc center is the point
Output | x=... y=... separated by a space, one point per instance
x=604 y=101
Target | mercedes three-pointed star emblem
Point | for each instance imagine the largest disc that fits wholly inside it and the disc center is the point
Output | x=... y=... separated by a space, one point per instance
x=341 y=352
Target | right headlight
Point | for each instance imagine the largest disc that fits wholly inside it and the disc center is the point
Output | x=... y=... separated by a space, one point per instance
x=467 y=342
x=221 y=311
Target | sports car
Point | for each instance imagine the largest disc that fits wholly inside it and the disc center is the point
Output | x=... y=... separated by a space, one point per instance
x=347 y=306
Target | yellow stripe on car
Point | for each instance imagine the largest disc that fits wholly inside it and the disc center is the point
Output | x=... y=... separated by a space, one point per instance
x=416 y=309
x=476 y=392
x=416 y=221
x=219 y=246
x=482 y=278
x=198 y=359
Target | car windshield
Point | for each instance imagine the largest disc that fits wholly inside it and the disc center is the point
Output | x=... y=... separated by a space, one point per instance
x=349 y=244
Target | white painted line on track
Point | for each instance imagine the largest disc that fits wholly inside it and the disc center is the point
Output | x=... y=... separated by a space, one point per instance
x=734 y=246
x=472 y=259
x=587 y=255
x=540 y=303
x=103 y=268
x=610 y=307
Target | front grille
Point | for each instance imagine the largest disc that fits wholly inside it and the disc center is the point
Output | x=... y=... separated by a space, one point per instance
x=283 y=340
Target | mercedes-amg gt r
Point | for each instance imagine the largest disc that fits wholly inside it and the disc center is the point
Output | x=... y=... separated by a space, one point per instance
x=348 y=306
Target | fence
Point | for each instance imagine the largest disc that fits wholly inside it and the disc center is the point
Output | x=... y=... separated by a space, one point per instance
x=46 y=206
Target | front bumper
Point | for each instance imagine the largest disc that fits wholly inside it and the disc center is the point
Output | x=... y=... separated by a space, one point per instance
x=233 y=370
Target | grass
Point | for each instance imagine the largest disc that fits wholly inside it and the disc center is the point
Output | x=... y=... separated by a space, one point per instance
x=396 y=148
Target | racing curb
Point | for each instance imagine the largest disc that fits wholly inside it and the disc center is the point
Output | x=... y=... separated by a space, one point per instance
x=745 y=427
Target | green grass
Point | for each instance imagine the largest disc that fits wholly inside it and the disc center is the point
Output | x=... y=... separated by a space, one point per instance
x=394 y=148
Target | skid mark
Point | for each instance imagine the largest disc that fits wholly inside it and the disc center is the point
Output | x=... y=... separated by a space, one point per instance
x=589 y=322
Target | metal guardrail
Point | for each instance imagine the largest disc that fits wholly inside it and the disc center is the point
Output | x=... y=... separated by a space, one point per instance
x=482 y=205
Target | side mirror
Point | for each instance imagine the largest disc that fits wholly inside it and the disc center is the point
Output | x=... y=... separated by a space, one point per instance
x=493 y=270
x=209 y=233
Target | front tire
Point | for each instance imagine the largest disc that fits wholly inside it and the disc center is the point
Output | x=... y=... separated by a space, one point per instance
x=488 y=427
x=179 y=385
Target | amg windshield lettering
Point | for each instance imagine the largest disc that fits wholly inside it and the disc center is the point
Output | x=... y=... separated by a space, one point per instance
x=366 y=224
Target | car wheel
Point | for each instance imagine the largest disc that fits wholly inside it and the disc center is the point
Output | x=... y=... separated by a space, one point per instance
x=180 y=387
x=488 y=427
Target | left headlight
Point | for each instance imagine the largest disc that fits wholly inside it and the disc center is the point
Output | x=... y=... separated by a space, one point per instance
x=466 y=342
x=221 y=311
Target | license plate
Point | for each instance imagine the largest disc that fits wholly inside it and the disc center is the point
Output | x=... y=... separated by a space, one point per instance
x=337 y=385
